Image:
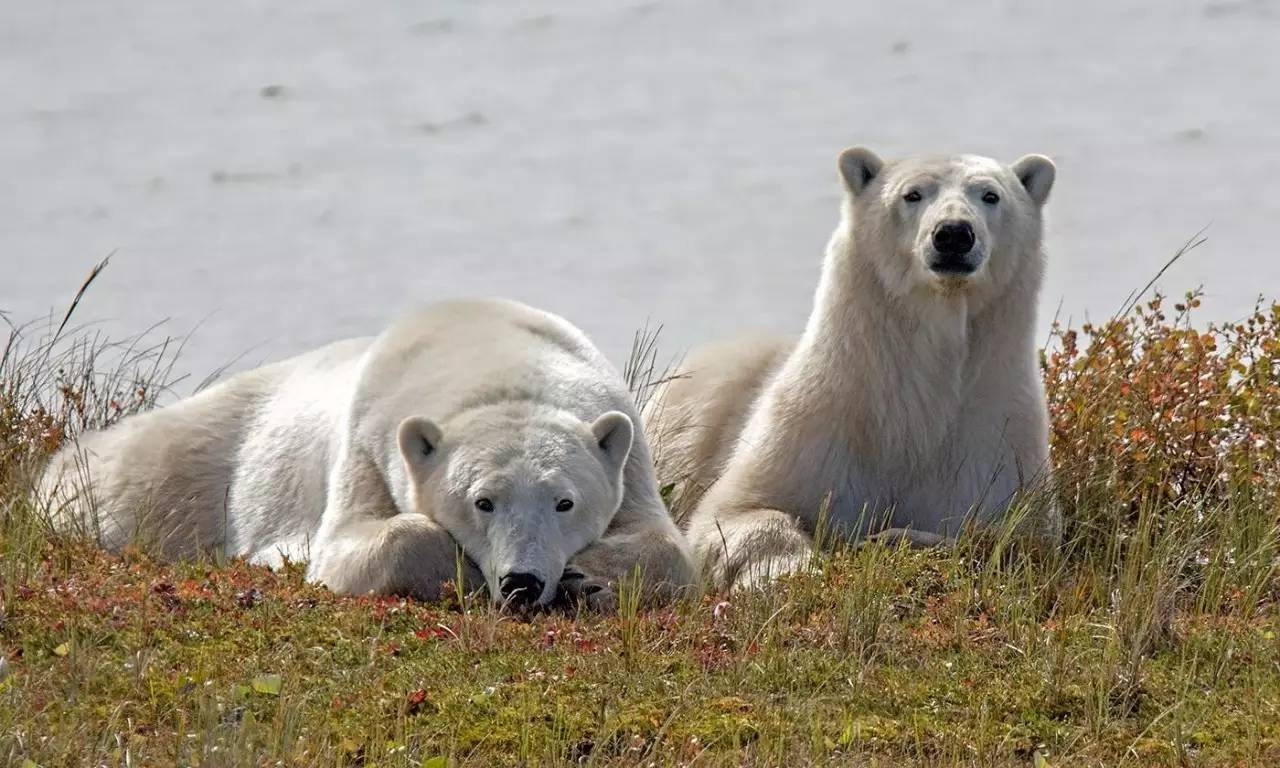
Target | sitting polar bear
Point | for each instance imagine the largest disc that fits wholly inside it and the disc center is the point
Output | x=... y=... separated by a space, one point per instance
x=913 y=398
x=485 y=423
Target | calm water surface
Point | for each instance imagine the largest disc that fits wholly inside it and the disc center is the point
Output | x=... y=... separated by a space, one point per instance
x=284 y=176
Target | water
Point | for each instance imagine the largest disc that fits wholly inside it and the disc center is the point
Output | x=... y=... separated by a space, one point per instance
x=281 y=176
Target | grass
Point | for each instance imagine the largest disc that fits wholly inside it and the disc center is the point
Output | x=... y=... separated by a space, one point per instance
x=1152 y=637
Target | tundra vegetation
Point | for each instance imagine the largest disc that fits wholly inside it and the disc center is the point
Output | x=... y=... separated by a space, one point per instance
x=1150 y=637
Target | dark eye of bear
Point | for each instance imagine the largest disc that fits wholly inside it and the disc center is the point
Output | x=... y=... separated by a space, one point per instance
x=991 y=198
x=484 y=505
x=912 y=197
x=564 y=505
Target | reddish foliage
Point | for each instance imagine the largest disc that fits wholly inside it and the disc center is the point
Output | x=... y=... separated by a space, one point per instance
x=436 y=632
x=713 y=656
x=414 y=701
x=1146 y=408
x=583 y=644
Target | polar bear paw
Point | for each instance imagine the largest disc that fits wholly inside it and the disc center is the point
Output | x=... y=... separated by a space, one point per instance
x=759 y=573
x=579 y=589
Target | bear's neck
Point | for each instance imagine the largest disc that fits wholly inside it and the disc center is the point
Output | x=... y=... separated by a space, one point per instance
x=897 y=370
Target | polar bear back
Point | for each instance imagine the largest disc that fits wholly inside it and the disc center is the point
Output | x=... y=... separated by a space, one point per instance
x=180 y=476
x=279 y=480
x=453 y=357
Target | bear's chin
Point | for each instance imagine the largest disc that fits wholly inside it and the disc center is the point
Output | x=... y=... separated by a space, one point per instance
x=950 y=282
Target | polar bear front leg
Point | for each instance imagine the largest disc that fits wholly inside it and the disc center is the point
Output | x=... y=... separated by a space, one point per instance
x=406 y=554
x=648 y=546
x=749 y=548
x=365 y=543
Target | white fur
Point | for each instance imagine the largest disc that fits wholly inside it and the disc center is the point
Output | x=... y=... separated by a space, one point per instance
x=368 y=456
x=913 y=395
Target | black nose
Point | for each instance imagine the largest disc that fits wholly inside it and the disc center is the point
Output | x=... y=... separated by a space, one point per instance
x=520 y=588
x=953 y=238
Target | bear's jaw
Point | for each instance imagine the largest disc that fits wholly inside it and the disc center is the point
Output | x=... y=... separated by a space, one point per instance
x=948 y=285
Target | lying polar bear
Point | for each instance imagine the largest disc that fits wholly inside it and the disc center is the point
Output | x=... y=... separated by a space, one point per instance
x=913 y=399
x=485 y=423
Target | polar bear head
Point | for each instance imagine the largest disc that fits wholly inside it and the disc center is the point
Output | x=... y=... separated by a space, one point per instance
x=521 y=490
x=959 y=225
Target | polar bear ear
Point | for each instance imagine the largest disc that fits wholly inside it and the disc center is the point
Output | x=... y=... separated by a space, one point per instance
x=419 y=440
x=613 y=433
x=859 y=166
x=1036 y=172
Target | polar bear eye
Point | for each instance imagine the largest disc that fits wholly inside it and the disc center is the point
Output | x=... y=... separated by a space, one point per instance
x=484 y=505
x=564 y=505
x=990 y=198
x=912 y=197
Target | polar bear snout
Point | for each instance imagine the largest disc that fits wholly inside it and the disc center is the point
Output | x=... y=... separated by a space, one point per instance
x=953 y=238
x=520 y=589
x=953 y=248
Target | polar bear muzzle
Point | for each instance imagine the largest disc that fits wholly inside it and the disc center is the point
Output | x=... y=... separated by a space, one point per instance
x=953 y=242
x=520 y=589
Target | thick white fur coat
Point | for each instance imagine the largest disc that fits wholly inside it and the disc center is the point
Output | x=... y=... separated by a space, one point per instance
x=912 y=401
x=367 y=457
